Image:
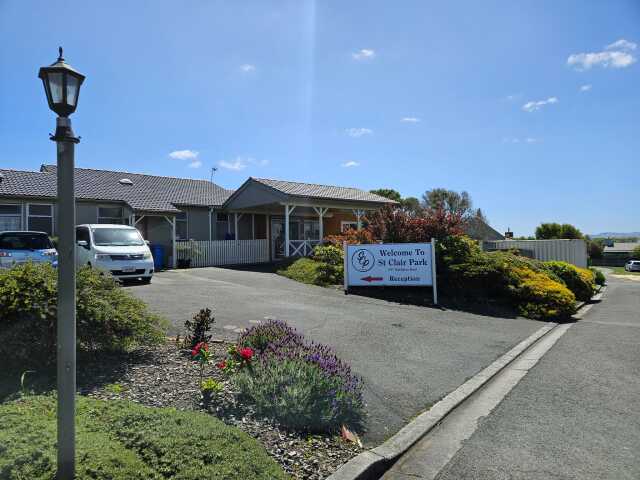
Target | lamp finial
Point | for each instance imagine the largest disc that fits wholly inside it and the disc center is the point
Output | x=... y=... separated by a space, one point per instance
x=60 y=58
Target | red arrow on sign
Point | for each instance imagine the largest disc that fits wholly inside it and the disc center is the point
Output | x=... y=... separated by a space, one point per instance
x=372 y=279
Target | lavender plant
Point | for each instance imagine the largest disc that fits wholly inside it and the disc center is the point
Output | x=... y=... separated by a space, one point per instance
x=302 y=384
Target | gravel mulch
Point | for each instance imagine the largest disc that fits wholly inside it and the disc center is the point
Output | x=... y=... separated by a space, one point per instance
x=167 y=377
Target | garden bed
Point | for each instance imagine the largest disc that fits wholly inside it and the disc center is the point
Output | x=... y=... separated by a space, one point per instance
x=167 y=377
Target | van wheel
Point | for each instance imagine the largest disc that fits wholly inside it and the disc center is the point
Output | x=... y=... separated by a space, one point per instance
x=89 y=264
x=146 y=280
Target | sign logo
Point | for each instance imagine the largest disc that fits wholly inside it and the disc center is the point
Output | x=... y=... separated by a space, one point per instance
x=362 y=260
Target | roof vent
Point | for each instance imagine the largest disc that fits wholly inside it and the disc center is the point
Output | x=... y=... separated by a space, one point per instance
x=125 y=181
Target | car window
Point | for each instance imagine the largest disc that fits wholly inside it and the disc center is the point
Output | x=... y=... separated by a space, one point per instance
x=82 y=234
x=117 y=237
x=25 y=241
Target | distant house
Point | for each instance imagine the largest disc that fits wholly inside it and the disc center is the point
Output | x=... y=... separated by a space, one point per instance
x=291 y=216
x=617 y=254
x=478 y=229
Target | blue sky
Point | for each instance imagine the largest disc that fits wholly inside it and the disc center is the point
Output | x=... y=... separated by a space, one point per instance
x=531 y=106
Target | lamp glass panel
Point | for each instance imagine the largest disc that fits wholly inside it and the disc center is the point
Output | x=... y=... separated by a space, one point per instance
x=55 y=84
x=72 y=90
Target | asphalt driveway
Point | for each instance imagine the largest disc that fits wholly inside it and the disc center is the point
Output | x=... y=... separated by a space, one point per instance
x=408 y=356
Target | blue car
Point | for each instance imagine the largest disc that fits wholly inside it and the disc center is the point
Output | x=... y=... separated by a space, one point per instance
x=21 y=247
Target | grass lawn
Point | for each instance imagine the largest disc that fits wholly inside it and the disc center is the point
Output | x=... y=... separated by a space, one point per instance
x=622 y=271
x=125 y=441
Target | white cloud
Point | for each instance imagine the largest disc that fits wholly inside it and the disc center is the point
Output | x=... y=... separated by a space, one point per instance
x=248 y=68
x=622 y=44
x=619 y=54
x=240 y=163
x=410 y=120
x=585 y=88
x=195 y=164
x=532 y=106
x=350 y=164
x=364 y=54
x=358 y=132
x=512 y=97
x=518 y=140
x=184 y=155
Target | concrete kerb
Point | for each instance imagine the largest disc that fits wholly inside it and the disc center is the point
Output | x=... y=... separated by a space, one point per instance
x=373 y=463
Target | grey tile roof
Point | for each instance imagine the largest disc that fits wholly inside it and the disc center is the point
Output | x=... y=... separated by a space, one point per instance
x=148 y=193
x=313 y=190
x=622 y=247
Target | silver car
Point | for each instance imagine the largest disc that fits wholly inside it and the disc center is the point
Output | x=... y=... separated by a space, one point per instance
x=632 y=266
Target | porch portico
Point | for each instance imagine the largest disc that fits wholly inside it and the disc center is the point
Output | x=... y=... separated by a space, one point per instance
x=300 y=215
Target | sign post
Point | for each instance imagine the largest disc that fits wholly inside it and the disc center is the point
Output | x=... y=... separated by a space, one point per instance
x=391 y=264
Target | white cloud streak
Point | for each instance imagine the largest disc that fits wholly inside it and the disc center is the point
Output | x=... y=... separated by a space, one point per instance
x=619 y=54
x=585 y=88
x=195 y=164
x=364 y=54
x=532 y=106
x=358 y=132
x=350 y=164
x=184 y=155
x=240 y=163
x=248 y=68
x=410 y=120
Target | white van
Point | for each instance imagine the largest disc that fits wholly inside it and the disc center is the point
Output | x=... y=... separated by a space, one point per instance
x=118 y=249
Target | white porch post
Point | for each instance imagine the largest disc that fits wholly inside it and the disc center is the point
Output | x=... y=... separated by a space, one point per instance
x=359 y=213
x=321 y=211
x=235 y=219
x=253 y=226
x=173 y=243
x=286 y=230
x=210 y=214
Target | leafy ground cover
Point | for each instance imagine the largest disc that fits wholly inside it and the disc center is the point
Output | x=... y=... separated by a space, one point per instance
x=124 y=440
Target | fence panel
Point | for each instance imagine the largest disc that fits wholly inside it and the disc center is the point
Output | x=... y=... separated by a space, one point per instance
x=204 y=253
x=571 y=251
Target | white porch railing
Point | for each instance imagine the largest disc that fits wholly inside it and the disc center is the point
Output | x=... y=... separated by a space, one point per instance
x=302 y=248
x=204 y=253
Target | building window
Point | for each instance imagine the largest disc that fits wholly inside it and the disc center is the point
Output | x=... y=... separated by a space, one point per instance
x=113 y=215
x=40 y=218
x=10 y=217
x=182 y=226
x=222 y=226
x=344 y=226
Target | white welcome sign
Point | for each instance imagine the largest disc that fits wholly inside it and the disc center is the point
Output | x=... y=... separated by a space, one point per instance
x=391 y=264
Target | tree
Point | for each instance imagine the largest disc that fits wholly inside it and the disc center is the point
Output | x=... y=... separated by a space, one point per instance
x=636 y=252
x=547 y=231
x=389 y=193
x=449 y=201
x=411 y=205
x=594 y=249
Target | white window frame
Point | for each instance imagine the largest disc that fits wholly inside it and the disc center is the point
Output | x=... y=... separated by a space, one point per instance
x=123 y=220
x=352 y=224
x=20 y=214
x=30 y=215
x=186 y=221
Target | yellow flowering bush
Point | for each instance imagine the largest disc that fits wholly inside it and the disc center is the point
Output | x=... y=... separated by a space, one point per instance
x=541 y=297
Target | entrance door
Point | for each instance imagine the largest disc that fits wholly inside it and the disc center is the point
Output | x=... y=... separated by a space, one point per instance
x=277 y=234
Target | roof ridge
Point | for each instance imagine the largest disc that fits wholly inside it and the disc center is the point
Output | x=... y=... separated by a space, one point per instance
x=23 y=171
x=140 y=174
x=315 y=184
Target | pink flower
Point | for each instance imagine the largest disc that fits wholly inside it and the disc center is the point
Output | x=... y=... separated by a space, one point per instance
x=246 y=353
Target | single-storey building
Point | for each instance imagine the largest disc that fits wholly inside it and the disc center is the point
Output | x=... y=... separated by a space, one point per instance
x=291 y=216
x=618 y=253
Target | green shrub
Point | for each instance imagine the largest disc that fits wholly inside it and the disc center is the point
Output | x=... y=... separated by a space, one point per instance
x=107 y=316
x=123 y=440
x=579 y=280
x=303 y=270
x=198 y=328
x=329 y=254
x=599 y=277
x=542 y=298
x=331 y=268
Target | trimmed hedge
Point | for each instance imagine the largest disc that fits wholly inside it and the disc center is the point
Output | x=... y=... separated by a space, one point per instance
x=598 y=276
x=108 y=317
x=579 y=280
x=533 y=288
x=120 y=440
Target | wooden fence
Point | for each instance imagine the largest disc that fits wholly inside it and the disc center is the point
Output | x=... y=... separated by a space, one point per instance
x=204 y=253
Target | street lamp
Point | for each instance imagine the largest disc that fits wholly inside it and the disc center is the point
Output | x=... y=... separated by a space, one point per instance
x=62 y=86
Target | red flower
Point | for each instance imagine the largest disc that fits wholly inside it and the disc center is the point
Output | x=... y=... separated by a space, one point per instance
x=246 y=353
x=198 y=347
x=222 y=365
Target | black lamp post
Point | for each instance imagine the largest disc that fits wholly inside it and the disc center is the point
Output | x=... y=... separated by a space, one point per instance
x=62 y=86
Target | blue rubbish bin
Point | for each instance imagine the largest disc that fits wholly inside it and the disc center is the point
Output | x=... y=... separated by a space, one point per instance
x=158 y=256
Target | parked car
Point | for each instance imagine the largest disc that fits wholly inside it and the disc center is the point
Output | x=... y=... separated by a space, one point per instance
x=118 y=249
x=632 y=266
x=21 y=247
